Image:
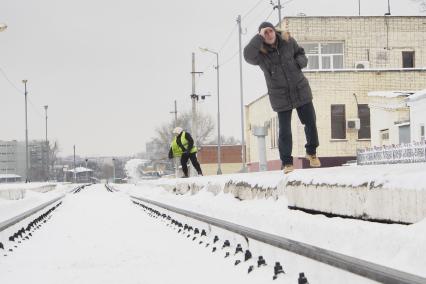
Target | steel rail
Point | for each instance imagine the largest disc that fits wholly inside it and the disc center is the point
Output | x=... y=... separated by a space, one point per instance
x=351 y=264
x=12 y=221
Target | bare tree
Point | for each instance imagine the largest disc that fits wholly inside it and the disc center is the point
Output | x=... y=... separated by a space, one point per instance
x=53 y=154
x=164 y=135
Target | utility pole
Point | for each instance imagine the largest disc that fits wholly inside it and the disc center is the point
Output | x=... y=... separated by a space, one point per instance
x=113 y=170
x=87 y=171
x=175 y=113
x=243 y=150
x=359 y=7
x=219 y=139
x=47 y=146
x=175 y=160
x=389 y=9
x=27 y=173
x=278 y=7
x=75 y=171
x=194 y=98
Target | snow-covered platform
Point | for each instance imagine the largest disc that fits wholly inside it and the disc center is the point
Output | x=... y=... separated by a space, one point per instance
x=394 y=193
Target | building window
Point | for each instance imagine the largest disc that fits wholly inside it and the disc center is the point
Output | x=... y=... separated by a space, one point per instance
x=324 y=55
x=408 y=59
x=384 y=136
x=364 y=118
x=422 y=132
x=338 y=122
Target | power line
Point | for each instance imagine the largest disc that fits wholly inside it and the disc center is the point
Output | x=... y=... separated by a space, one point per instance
x=270 y=14
x=252 y=9
x=20 y=91
x=10 y=82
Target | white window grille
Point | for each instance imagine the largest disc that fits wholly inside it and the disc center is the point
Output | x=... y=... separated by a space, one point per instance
x=324 y=55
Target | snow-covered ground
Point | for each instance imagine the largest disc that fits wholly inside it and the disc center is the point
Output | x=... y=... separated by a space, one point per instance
x=100 y=237
x=30 y=195
x=399 y=246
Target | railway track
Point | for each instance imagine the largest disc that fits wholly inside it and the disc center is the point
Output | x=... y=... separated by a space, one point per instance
x=343 y=262
x=22 y=226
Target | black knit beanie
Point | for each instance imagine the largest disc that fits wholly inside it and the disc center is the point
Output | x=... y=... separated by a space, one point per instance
x=266 y=25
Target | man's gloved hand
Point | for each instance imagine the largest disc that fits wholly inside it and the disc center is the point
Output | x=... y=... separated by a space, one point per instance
x=186 y=152
x=170 y=156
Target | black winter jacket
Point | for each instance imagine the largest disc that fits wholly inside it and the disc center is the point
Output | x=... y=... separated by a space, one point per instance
x=282 y=66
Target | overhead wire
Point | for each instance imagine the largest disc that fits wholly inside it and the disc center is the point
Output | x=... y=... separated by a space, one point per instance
x=21 y=92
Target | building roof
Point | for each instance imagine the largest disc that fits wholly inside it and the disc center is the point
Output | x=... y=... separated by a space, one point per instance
x=355 y=17
x=9 y=176
x=255 y=100
x=417 y=96
x=80 y=170
x=390 y=94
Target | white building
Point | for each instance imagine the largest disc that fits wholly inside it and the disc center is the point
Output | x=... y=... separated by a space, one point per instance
x=390 y=117
x=417 y=104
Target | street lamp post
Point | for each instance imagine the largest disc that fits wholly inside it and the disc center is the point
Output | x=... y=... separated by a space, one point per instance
x=26 y=133
x=75 y=171
x=47 y=145
x=219 y=139
x=113 y=170
x=87 y=171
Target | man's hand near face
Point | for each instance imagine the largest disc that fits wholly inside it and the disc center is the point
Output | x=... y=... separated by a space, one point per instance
x=268 y=35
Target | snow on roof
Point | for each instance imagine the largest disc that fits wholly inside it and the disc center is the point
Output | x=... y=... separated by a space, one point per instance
x=417 y=95
x=80 y=170
x=390 y=94
x=9 y=176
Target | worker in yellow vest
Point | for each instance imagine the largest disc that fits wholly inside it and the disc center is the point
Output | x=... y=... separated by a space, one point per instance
x=183 y=146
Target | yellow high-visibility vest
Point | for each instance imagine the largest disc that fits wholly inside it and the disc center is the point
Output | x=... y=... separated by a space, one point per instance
x=177 y=151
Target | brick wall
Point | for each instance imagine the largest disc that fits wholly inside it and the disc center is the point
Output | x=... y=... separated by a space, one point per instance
x=229 y=154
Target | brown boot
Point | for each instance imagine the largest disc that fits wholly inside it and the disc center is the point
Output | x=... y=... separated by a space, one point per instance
x=314 y=162
x=288 y=168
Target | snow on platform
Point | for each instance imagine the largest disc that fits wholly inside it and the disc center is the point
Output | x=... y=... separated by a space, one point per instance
x=17 y=198
x=393 y=193
x=261 y=200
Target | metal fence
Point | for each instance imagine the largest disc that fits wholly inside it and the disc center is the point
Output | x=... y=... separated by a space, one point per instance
x=393 y=154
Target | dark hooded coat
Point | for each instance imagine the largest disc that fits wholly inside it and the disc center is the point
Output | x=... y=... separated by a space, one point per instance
x=282 y=66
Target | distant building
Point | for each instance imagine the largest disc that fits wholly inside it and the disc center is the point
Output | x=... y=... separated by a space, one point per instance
x=417 y=104
x=390 y=117
x=8 y=178
x=79 y=175
x=349 y=57
x=12 y=159
x=231 y=159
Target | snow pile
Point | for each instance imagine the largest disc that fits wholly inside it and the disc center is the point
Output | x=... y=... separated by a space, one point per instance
x=13 y=191
x=30 y=197
x=393 y=176
x=132 y=168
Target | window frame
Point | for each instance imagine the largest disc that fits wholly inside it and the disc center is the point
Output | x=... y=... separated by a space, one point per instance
x=320 y=55
x=413 y=58
x=362 y=125
x=333 y=122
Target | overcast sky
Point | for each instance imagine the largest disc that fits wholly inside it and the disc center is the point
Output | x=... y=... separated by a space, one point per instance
x=110 y=70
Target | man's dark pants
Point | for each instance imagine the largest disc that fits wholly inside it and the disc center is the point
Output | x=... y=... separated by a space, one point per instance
x=307 y=117
x=194 y=161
